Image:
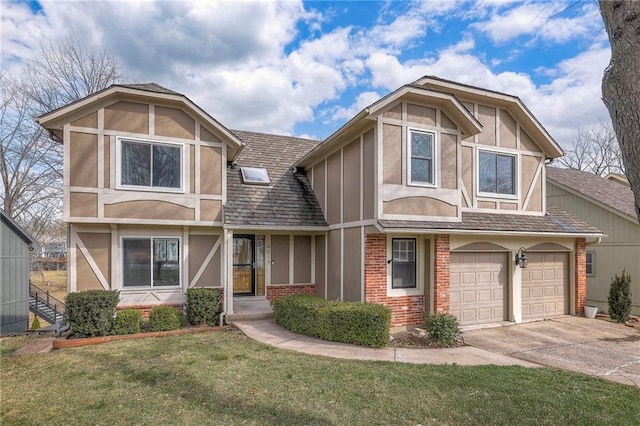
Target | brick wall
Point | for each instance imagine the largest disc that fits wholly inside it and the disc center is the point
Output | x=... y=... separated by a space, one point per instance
x=405 y=310
x=442 y=277
x=581 y=275
x=277 y=291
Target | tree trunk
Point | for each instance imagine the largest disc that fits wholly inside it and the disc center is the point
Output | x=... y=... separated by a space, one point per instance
x=621 y=83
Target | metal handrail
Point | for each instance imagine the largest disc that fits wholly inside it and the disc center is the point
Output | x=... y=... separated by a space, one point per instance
x=53 y=303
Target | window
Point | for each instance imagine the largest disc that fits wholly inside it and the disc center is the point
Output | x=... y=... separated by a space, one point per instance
x=403 y=268
x=151 y=262
x=591 y=264
x=255 y=176
x=497 y=173
x=150 y=164
x=421 y=156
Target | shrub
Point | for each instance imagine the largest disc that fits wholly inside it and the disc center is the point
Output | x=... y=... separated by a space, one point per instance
x=365 y=324
x=620 y=297
x=128 y=321
x=164 y=318
x=203 y=306
x=35 y=325
x=443 y=329
x=91 y=313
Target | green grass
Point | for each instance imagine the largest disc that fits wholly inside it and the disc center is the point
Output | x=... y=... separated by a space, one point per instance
x=225 y=378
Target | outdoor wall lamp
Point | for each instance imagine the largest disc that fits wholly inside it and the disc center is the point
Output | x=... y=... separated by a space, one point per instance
x=521 y=258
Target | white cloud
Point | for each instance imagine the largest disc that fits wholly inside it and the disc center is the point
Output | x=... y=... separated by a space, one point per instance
x=363 y=100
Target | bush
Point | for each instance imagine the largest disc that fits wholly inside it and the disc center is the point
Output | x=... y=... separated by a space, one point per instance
x=35 y=325
x=164 y=318
x=620 y=297
x=128 y=321
x=365 y=324
x=91 y=313
x=203 y=306
x=443 y=329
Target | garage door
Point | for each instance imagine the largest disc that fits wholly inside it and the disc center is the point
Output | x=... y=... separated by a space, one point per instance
x=545 y=286
x=478 y=290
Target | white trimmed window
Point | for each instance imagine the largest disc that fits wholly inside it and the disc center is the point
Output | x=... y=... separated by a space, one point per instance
x=403 y=263
x=151 y=262
x=591 y=264
x=149 y=164
x=496 y=173
x=421 y=165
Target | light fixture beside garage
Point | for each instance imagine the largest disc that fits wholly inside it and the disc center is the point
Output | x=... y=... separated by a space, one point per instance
x=521 y=258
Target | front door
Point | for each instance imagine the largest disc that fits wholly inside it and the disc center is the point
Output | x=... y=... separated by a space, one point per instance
x=243 y=265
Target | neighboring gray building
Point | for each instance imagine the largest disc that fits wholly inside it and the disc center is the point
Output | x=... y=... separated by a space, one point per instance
x=15 y=247
x=606 y=203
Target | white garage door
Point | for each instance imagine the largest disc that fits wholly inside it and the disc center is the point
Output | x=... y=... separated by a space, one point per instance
x=478 y=290
x=545 y=286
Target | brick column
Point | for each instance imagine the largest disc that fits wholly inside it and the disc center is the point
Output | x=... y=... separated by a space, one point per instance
x=442 y=259
x=581 y=275
x=375 y=268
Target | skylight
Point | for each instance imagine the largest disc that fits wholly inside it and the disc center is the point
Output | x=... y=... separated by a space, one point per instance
x=255 y=176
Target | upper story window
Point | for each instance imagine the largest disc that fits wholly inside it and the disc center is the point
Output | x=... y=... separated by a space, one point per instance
x=255 y=176
x=421 y=158
x=497 y=173
x=149 y=164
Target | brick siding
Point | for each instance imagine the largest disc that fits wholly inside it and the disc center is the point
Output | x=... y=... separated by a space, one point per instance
x=442 y=277
x=277 y=291
x=581 y=275
x=405 y=310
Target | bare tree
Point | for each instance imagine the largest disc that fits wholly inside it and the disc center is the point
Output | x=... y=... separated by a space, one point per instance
x=620 y=84
x=594 y=149
x=31 y=163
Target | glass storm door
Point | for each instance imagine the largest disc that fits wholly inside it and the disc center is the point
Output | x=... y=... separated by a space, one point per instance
x=243 y=265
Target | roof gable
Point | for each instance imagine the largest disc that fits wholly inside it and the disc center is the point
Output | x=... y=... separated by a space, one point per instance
x=17 y=229
x=55 y=119
x=511 y=103
x=596 y=189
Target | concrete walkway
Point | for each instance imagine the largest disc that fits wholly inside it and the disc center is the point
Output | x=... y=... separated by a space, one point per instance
x=268 y=332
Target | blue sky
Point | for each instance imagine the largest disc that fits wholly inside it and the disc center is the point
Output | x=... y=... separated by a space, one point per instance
x=304 y=68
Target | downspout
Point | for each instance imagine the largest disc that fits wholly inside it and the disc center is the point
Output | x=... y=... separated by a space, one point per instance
x=598 y=240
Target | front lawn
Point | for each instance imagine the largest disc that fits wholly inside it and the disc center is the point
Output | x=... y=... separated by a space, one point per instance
x=225 y=378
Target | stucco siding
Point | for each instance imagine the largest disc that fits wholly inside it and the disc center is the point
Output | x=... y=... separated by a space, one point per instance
x=352 y=176
x=173 y=122
x=334 y=184
x=320 y=279
x=83 y=160
x=127 y=117
x=368 y=175
x=392 y=154
x=333 y=265
x=210 y=170
x=301 y=259
x=148 y=209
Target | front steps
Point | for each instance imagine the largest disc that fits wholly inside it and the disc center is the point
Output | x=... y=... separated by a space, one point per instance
x=249 y=308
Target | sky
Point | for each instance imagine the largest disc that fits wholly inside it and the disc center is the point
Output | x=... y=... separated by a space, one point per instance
x=304 y=68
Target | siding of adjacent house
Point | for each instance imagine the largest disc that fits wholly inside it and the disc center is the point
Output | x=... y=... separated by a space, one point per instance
x=14 y=279
x=620 y=247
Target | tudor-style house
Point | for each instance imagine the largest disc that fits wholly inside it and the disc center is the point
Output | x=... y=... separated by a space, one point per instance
x=431 y=199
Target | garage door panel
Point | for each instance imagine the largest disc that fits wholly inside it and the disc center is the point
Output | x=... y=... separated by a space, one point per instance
x=478 y=291
x=545 y=285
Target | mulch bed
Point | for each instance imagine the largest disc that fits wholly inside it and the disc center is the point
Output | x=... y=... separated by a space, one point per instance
x=413 y=339
x=634 y=320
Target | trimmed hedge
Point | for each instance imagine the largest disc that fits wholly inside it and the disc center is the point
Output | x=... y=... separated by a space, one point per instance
x=91 y=313
x=365 y=324
x=204 y=306
x=128 y=321
x=164 y=318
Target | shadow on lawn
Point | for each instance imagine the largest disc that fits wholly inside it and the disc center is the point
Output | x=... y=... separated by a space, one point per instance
x=178 y=382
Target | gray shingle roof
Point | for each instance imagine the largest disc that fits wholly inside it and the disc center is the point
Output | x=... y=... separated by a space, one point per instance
x=594 y=187
x=555 y=221
x=289 y=201
x=150 y=87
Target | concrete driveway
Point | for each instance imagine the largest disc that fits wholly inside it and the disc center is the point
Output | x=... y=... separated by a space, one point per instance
x=588 y=346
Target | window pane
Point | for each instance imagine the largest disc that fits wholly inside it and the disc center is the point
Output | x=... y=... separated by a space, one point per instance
x=136 y=164
x=166 y=262
x=421 y=144
x=404 y=263
x=488 y=178
x=137 y=262
x=506 y=175
x=166 y=166
x=421 y=170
